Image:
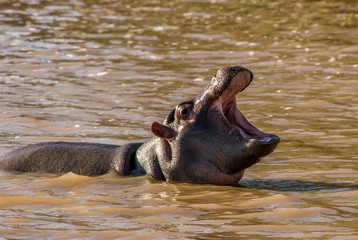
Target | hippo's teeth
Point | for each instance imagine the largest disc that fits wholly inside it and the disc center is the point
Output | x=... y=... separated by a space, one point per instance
x=250 y=142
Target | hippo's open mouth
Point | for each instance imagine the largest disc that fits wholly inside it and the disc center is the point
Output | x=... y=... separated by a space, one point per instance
x=238 y=125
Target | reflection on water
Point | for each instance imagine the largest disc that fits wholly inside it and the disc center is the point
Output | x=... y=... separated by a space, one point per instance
x=115 y=207
x=102 y=71
x=293 y=185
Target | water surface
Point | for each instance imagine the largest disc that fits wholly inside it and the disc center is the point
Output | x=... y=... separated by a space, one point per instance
x=103 y=71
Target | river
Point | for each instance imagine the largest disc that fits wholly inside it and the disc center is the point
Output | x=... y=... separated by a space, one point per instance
x=103 y=71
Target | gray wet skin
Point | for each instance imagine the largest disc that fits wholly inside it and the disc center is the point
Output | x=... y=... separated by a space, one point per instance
x=203 y=140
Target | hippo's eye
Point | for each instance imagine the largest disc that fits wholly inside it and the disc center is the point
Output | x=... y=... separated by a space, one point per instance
x=184 y=111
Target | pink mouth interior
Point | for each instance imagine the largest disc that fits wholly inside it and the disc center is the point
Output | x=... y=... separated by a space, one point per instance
x=239 y=123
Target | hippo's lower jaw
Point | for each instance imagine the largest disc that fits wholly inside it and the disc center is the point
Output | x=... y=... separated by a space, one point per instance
x=238 y=126
x=256 y=143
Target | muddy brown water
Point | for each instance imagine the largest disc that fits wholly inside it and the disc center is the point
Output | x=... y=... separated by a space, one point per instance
x=103 y=71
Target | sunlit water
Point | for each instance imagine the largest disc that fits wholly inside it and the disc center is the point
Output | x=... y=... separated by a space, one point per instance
x=103 y=71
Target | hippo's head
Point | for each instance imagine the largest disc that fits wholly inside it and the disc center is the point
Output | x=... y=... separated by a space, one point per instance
x=207 y=139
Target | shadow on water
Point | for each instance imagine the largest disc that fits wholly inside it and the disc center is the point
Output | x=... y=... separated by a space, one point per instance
x=294 y=185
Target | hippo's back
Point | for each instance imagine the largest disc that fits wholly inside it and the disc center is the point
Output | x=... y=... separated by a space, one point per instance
x=81 y=158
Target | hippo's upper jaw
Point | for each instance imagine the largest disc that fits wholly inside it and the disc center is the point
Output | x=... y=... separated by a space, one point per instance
x=207 y=139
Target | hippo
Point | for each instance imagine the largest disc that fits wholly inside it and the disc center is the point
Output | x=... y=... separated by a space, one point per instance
x=203 y=140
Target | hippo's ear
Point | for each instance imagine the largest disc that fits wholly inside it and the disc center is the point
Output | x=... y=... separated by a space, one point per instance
x=161 y=130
